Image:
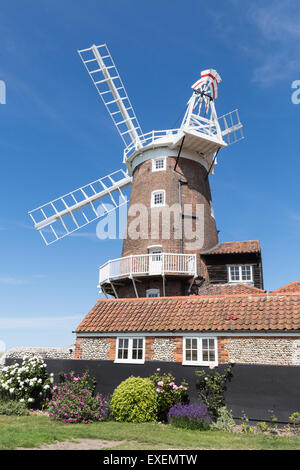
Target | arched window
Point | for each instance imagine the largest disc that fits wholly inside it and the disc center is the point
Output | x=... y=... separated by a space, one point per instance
x=158 y=198
x=159 y=164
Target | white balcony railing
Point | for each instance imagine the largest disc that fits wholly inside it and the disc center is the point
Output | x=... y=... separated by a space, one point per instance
x=154 y=137
x=150 y=264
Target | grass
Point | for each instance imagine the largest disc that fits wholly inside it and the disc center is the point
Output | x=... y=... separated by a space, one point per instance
x=32 y=431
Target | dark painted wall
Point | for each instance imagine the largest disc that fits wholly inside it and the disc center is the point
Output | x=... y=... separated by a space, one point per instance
x=254 y=389
x=217 y=267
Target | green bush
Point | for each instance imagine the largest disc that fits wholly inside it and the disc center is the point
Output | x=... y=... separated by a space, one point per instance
x=135 y=401
x=12 y=407
x=225 y=421
x=295 y=419
x=262 y=426
x=247 y=429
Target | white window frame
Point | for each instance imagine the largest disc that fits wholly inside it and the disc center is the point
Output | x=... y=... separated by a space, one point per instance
x=240 y=280
x=130 y=344
x=152 y=291
x=158 y=191
x=200 y=361
x=154 y=164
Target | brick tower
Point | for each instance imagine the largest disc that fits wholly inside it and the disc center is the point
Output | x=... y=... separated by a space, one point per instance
x=160 y=242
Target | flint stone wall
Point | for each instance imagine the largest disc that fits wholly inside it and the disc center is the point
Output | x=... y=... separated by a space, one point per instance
x=274 y=351
x=45 y=353
x=163 y=349
x=94 y=348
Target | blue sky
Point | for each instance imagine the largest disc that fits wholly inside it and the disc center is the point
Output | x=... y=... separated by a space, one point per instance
x=55 y=135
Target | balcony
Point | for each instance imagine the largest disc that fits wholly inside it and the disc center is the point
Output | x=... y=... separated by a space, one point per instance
x=155 y=264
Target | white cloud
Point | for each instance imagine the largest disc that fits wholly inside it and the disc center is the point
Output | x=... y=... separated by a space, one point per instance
x=268 y=33
x=278 y=21
x=13 y=281
x=32 y=323
x=16 y=281
x=277 y=47
x=89 y=235
x=295 y=216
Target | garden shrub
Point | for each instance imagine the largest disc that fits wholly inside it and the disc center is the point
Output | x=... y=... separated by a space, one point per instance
x=192 y=416
x=225 y=421
x=295 y=419
x=246 y=427
x=273 y=420
x=168 y=393
x=135 y=401
x=262 y=426
x=27 y=383
x=73 y=400
x=212 y=386
x=13 y=407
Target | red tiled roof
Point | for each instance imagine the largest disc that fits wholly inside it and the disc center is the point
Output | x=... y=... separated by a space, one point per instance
x=248 y=246
x=242 y=312
x=289 y=288
x=222 y=289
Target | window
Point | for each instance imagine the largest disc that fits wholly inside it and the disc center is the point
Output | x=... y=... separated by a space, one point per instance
x=130 y=350
x=241 y=273
x=159 y=164
x=153 y=293
x=158 y=198
x=200 y=351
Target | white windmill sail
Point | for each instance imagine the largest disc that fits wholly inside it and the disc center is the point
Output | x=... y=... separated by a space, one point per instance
x=201 y=131
x=231 y=127
x=105 y=76
x=74 y=210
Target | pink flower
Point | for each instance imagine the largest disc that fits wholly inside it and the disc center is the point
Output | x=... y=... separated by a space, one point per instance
x=160 y=383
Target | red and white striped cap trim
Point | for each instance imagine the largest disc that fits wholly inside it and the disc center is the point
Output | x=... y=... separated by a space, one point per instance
x=211 y=78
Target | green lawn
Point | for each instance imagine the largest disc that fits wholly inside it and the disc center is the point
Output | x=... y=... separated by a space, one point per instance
x=31 y=431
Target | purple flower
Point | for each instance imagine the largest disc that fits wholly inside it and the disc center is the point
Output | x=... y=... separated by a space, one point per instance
x=196 y=412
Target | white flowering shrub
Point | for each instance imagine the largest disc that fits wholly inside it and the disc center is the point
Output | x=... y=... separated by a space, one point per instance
x=28 y=383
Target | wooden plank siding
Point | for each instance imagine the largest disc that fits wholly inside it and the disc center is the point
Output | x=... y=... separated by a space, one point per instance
x=217 y=267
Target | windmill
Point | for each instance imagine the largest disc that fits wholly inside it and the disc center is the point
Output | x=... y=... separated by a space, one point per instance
x=190 y=149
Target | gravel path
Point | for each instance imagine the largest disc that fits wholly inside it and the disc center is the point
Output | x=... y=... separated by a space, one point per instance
x=78 y=444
